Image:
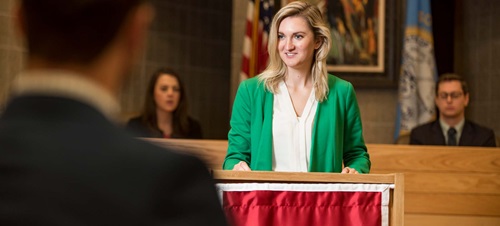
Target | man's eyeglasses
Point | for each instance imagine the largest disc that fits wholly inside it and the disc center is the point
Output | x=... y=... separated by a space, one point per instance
x=453 y=95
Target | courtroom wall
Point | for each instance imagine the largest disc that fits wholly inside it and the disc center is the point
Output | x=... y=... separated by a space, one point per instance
x=477 y=58
x=11 y=51
x=200 y=40
x=194 y=38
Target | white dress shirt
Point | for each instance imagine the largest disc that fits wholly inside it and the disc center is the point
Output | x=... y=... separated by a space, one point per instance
x=445 y=127
x=292 y=134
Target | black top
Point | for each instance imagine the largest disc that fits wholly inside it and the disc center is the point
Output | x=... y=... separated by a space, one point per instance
x=472 y=135
x=139 y=128
x=63 y=163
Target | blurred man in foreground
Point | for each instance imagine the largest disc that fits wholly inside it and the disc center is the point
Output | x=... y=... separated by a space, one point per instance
x=62 y=161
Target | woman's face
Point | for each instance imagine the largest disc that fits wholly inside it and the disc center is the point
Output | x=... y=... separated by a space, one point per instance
x=296 y=43
x=167 y=93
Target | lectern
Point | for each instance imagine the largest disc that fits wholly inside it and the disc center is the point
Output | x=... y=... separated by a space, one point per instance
x=285 y=198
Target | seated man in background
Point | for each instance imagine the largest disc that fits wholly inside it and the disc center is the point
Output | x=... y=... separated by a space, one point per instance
x=62 y=160
x=451 y=128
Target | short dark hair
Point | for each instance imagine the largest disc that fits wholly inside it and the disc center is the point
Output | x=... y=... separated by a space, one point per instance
x=452 y=77
x=73 y=30
x=180 y=119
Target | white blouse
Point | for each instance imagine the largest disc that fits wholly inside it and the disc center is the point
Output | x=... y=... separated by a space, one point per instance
x=292 y=134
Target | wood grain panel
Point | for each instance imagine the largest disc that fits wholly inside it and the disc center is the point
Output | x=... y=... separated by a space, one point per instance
x=444 y=220
x=302 y=177
x=434 y=158
x=212 y=152
x=452 y=204
x=473 y=183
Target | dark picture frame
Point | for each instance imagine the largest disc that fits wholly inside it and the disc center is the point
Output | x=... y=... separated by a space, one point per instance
x=357 y=32
x=384 y=69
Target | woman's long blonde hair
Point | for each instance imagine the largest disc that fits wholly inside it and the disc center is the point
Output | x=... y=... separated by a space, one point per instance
x=276 y=70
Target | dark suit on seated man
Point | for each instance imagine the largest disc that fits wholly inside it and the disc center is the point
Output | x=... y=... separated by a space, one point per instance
x=452 y=128
x=62 y=160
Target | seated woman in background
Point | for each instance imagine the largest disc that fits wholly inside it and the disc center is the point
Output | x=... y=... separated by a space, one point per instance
x=165 y=113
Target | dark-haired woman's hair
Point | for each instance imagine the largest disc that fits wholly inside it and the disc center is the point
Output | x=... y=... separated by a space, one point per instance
x=180 y=119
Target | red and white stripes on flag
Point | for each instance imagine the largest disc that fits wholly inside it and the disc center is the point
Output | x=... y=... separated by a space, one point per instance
x=255 y=56
x=259 y=204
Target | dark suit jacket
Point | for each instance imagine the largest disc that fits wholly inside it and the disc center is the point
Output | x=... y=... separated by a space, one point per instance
x=140 y=129
x=63 y=163
x=472 y=135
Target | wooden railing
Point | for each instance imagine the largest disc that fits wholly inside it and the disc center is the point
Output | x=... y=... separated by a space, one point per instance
x=457 y=186
x=444 y=185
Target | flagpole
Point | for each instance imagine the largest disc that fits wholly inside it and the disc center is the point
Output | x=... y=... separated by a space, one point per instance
x=255 y=33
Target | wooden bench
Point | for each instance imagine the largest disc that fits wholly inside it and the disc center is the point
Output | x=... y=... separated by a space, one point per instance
x=457 y=186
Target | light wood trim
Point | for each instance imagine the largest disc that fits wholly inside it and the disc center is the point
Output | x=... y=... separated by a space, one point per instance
x=269 y=176
x=384 y=157
x=440 y=220
x=212 y=152
x=403 y=158
x=470 y=183
x=452 y=204
x=398 y=208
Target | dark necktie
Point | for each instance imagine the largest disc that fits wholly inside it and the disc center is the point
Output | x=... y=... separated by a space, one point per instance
x=452 y=137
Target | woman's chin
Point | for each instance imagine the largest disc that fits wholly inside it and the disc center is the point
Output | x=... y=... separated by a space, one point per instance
x=169 y=109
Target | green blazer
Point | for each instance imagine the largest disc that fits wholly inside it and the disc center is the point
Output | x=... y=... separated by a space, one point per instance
x=337 y=131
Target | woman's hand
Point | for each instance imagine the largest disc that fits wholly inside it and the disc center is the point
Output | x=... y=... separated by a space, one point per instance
x=241 y=166
x=349 y=170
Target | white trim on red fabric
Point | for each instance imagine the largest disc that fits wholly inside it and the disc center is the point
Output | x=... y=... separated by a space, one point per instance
x=383 y=188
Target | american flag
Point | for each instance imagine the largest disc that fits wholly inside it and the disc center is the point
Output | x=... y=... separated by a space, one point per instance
x=255 y=56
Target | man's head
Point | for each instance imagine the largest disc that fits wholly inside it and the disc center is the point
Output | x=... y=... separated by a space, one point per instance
x=452 y=96
x=73 y=31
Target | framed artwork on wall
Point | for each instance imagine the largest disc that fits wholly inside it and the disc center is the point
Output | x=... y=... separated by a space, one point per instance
x=366 y=40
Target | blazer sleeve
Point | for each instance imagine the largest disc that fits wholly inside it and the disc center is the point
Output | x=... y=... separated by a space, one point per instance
x=239 y=134
x=355 y=153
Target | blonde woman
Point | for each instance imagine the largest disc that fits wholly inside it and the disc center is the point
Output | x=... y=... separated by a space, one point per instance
x=295 y=116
